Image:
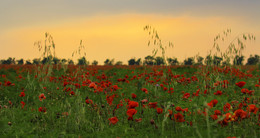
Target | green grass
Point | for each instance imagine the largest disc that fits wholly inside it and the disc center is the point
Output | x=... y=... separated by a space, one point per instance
x=91 y=120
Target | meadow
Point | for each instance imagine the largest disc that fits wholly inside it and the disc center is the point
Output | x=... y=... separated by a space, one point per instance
x=129 y=101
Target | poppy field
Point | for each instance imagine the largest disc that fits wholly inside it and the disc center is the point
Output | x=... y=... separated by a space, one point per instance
x=129 y=101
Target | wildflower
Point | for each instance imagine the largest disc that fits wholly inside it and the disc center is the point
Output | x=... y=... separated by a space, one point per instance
x=22 y=94
x=227 y=107
x=241 y=84
x=178 y=108
x=252 y=108
x=113 y=120
x=144 y=101
x=218 y=93
x=133 y=95
x=132 y=104
x=88 y=101
x=23 y=104
x=152 y=105
x=42 y=109
x=217 y=112
x=131 y=112
x=138 y=120
x=42 y=97
x=159 y=110
x=186 y=96
x=144 y=90
x=72 y=93
x=240 y=113
x=179 y=117
x=92 y=85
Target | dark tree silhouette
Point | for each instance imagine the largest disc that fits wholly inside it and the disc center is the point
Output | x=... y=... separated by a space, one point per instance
x=109 y=62
x=82 y=61
x=189 y=61
x=238 y=60
x=95 y=62
x=56 y=60
x=28 y=62
x=70 y=62
x=172 y=61
x=159 y=61
x=133 y=61
x=149 y=60
x=253 y=60
x=36 y=61
x=217 y=60
x=20 y=62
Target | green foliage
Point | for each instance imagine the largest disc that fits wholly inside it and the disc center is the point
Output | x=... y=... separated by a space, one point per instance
x=238 y=60
x=133 y=61
x=253 y=60
x=82 y=61
x=95 y=62
x=109 y=62
x=189 y=61
x=119 y=63
x=159 y=61
x=20 y=62
x=217 y=60
x=36 y=61
x=173 y=61
x=8 y=61
x=149 y=60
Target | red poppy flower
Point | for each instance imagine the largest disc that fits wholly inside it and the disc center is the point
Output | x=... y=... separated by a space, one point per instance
x=133 y=95
x=110 y=99
x=42 y=109
x=144 y=90
x=179 y=117
x=178 y=108
x=214 y=117
x=132 y=104
x=159 y=110
x=217 y=112
x=170 y=112
x=115 y=87
x=227 y=107
x=131 y=112
x=252 y=108
x=42 y=97
x=23 y=104
x=241 y=84
x=92 y=85
x=144 y=101
x=88 y=101
x=113 y=120
x=152 y=105
x=214 y=102
x=138 y=120
x=22 y=94
x=186 y=96
x=72 y=93
x=218 y=93
x=240 y=113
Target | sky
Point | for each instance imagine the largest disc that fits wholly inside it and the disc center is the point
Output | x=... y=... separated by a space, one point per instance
x=113 y=29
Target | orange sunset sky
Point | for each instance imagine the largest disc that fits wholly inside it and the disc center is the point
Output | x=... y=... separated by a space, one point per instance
x=114 y=28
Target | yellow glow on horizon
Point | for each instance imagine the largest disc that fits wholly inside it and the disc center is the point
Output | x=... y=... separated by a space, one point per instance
x=122 y=36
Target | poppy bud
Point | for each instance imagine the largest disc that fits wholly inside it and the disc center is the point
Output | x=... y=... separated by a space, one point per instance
x=152 y=121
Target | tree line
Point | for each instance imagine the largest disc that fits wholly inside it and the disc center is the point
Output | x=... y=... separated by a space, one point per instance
x=148 y=60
